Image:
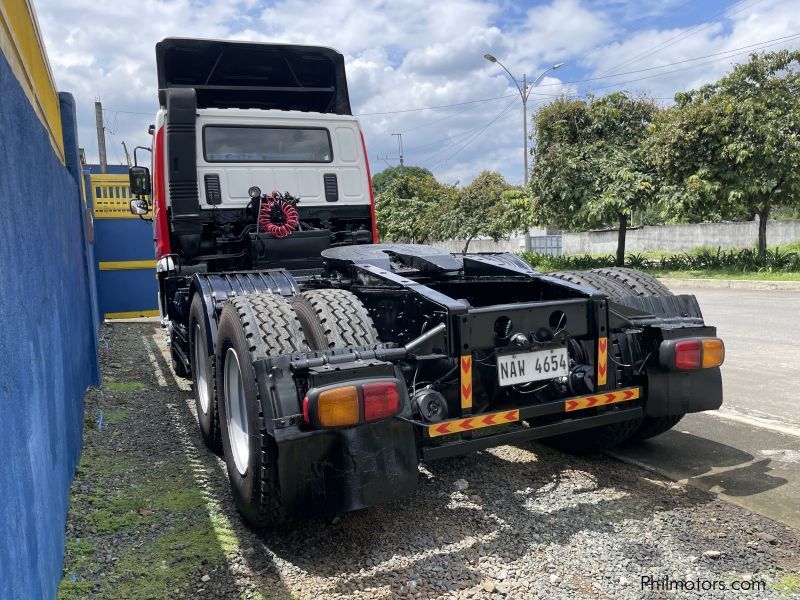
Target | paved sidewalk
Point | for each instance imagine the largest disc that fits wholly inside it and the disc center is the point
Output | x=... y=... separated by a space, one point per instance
x=735 y=284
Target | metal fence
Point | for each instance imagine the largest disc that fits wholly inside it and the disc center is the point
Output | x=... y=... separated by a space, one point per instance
x=546 y=244
x=112 y=196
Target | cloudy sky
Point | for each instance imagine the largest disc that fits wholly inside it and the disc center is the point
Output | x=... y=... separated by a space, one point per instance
x=416 y=67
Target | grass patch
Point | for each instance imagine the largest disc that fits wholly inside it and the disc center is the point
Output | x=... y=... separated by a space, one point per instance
x=168 y=563
x=114 y=416
x=70 y=588
x=124 y=386
x=96 y=463
x=79 y=552
x=788 y=585
x=721 y=274
x=170 y=537
x=126 y=511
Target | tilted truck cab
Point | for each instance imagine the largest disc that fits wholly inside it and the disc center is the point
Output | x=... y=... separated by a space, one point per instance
x=327 y=365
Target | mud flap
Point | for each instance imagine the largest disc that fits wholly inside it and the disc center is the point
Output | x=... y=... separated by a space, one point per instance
x=333 y=471
x=676 y=392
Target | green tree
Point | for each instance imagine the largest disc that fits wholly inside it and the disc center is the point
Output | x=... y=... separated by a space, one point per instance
x=515 y=209
x=590 y=168
x=410 y=208
x=477 y=209
x=734 y=145
x=381 y=181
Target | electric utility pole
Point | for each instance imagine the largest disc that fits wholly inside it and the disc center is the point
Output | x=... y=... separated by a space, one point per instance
x=101 y=136
x=524 y=92
x=400 y=147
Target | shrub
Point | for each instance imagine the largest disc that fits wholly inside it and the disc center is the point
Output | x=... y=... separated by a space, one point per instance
x=702 y=259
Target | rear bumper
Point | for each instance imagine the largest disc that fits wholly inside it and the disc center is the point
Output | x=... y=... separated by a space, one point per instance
x=530 y=433
x=330 y=471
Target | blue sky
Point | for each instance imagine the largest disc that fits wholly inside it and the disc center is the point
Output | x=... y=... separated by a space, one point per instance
x=406 y=55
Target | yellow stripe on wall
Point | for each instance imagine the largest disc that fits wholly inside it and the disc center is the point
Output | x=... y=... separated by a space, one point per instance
x=121 y=265
x=21 y=43
x=133 y=314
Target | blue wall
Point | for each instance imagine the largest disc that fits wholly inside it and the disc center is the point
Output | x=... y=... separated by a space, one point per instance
x=48 y=328
x=127 y=290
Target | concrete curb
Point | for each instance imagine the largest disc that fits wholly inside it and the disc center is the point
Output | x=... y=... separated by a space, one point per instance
x=734 y=284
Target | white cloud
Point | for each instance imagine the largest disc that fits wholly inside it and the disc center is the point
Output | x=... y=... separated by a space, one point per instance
x=402 y=55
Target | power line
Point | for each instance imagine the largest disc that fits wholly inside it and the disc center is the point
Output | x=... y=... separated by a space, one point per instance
x=129 y=112
x=677 y=38
x=405 y=110
x=449 y=138
x=629 y=34
x=475 y=136
x=689 y=68
x=732 y=52
x=504 y=114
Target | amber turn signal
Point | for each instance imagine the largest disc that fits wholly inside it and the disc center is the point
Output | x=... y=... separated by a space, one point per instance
x=338 y=407
x=713 y=353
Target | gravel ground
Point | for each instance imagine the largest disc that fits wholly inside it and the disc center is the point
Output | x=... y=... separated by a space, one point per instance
x=151 y=517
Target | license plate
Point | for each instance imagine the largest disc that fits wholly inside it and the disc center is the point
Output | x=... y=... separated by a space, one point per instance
x=525 y=367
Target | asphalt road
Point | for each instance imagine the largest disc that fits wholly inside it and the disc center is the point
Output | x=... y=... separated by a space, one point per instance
x=749 y=451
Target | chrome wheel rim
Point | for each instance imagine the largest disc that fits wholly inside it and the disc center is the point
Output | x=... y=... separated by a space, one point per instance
x=236 y=412
x=200 y=374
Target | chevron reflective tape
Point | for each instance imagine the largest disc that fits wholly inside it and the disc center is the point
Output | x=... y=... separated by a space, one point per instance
x=602 y=360
x=466 y=381
x=623 y=395
x=471 y=423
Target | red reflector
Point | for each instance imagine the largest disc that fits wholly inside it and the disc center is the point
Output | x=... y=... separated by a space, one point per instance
x=687 y=355
x=380 y=400
x=305 y=409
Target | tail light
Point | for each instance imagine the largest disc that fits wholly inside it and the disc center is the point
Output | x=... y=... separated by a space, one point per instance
x=381 y=400
x=356 y=402
x=687 y=355
x=690 y=354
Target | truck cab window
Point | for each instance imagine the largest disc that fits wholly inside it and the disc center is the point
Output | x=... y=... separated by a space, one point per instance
x=266 y=144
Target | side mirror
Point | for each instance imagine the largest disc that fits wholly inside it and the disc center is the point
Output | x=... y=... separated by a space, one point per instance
x=139 y=207
x=139 y=178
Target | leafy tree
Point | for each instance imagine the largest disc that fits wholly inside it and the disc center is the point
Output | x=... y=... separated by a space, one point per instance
x=381 y=181
x=478 y=209
x=590 y=167
x=515 y=209
x=410 y=208
x=734 y=145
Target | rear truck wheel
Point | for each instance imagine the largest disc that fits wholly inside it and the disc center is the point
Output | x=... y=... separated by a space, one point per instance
x=334 y=319
x=641 y=284
x=611 y=287
x=653 y=426
x=252 y=328
x=590 y=441
x=204 y=384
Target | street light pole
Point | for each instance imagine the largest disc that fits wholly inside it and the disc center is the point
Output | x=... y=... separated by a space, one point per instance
x=524 y=92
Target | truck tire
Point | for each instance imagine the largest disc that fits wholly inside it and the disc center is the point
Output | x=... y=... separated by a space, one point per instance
x=613 y=288
x=640 y=283
x=598 y=439
x=334 y=319
x=204 y=384
x=653 y=426
x=251 y=328
x=643 y=284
